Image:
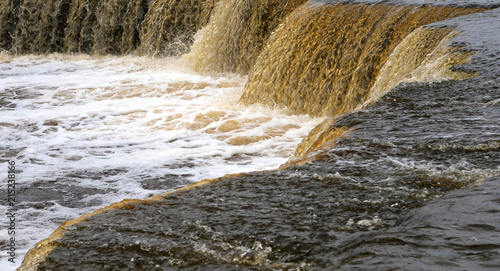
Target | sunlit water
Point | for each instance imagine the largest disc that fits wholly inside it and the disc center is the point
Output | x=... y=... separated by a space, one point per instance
x=88 y=131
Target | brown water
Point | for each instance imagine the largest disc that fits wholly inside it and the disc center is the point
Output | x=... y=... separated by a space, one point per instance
x=402 y=173
x=237 y=33
x=346 y=47
x=102 y=27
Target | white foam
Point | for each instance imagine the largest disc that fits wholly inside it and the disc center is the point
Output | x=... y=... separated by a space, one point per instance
x=144 y=118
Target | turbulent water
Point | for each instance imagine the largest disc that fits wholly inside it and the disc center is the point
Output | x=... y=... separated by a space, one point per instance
x=346 y=46
x=89 y=131
x=392 y=166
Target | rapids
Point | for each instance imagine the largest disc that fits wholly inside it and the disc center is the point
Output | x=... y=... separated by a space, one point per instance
x=89 y=131
x=381 y=117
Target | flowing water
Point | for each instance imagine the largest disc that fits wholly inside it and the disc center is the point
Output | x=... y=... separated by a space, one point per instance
x=385 y=162
x=89 y=131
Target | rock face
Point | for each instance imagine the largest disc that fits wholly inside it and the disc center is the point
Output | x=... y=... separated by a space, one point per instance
x=383 y=197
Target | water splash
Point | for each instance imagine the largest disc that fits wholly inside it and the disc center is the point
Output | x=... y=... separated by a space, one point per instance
x=235 y=36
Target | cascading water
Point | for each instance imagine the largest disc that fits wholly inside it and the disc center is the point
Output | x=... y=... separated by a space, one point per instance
x=345 y=46
x=102 y=27
x=89 y=130
x=235 y=36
